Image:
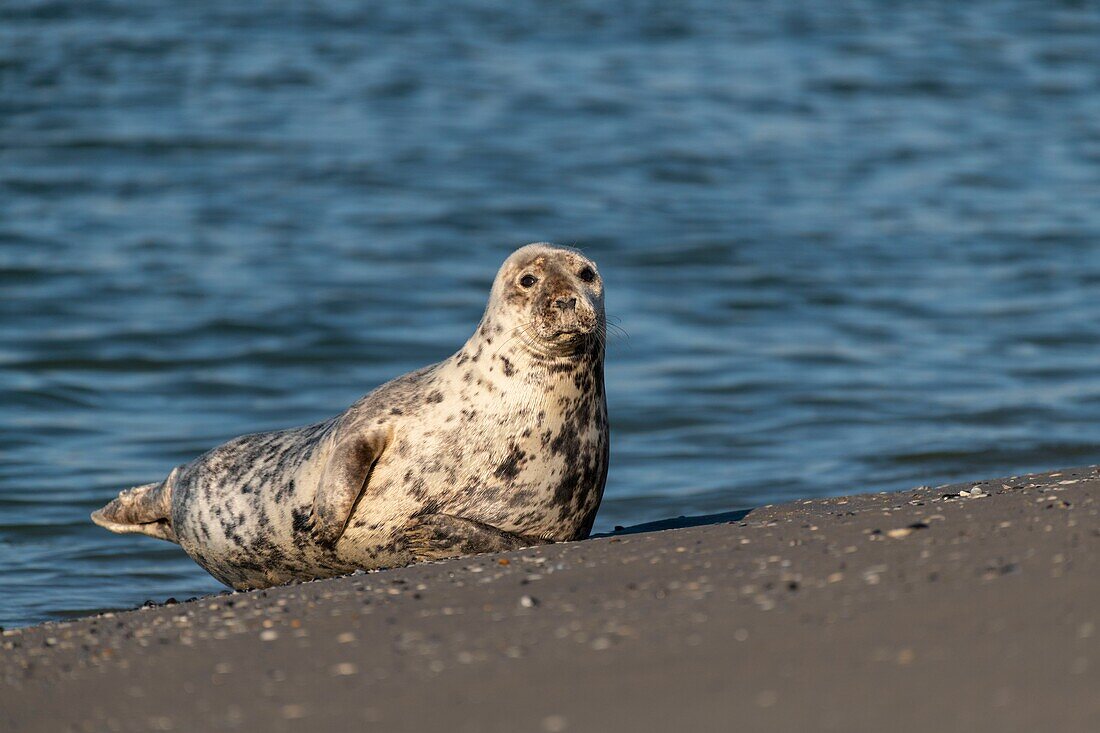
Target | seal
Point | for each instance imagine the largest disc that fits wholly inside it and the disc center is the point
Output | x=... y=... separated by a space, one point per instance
x=502 y=445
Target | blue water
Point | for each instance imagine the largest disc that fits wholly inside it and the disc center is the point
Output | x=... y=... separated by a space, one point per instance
x=854 y=248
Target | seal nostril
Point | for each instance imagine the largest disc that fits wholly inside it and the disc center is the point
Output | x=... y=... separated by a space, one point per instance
x=566 y=304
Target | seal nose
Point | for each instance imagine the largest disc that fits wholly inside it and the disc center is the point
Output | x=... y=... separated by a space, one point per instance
x=566 y=304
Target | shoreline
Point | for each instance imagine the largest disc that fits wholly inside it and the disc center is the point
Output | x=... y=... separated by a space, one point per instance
x=928 y=609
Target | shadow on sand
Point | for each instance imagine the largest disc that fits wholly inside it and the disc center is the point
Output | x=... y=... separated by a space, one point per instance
x=678 y=523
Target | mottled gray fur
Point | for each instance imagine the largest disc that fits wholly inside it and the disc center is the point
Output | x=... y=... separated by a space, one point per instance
x=503 y=445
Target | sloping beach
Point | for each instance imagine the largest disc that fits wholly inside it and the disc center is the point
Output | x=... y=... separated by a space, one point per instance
x=973 y=607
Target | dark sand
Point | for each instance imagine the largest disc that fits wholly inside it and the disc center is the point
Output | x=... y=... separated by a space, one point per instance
x=923 y=610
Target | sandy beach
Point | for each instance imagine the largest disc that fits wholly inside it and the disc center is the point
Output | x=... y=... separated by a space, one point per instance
x=973 y=607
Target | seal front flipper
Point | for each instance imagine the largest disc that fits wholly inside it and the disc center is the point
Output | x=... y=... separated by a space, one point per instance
x=438 y=536
x=143 y=509
x=345 y=475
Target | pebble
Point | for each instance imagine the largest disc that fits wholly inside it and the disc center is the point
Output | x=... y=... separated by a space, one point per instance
x=293 y=712
x=554 y=723
x=528 y=601
x=767 y=698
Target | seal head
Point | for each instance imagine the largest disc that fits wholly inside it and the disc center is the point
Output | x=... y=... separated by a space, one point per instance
x=552 y=295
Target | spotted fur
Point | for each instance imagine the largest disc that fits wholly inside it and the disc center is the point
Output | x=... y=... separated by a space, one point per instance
x=504 y=444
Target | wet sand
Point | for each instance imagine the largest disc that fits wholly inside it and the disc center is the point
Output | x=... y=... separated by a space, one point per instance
x=936 y=609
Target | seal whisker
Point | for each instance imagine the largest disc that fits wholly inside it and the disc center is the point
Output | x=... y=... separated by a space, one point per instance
x=611 y=323
x=515 y=333
x=618 y=332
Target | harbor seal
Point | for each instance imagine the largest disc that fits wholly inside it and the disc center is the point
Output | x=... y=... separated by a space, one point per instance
x=502 y=445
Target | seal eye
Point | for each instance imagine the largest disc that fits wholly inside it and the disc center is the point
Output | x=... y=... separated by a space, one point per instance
x=588 y=274
x=528 y=280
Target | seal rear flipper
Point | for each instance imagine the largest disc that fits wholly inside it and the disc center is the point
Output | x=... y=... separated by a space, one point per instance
x=141 y=510
x=346 y=473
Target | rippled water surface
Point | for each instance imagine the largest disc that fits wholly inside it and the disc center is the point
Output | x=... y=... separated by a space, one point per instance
x=853 y=250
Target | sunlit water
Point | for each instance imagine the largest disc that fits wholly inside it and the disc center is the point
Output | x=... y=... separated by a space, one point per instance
x=852 y=251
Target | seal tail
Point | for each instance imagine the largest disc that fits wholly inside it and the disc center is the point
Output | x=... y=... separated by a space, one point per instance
x=145 y=509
